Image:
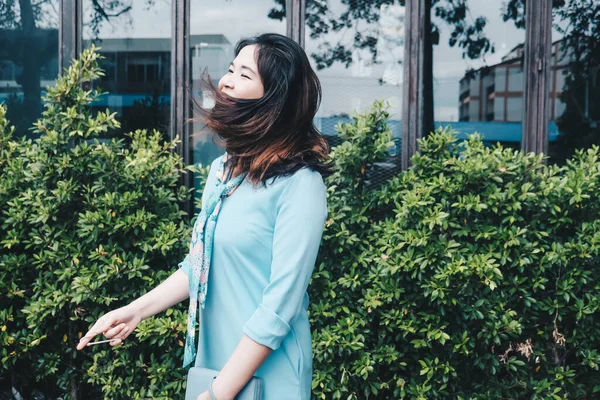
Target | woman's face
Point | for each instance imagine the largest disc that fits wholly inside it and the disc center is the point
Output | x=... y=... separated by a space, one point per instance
x=242 y=80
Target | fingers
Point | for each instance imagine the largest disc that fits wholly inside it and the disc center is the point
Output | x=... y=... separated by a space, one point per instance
x=92 y=333
x=102 y=325
x=114 y=331
x=120 y=336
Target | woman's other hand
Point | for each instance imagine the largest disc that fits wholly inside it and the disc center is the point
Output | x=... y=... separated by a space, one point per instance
x=116 y=324
x=204 y=396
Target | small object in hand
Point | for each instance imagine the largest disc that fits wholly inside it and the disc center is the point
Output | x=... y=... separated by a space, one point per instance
x=101 y=341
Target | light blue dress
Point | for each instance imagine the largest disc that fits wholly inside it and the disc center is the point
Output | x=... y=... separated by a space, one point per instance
x=265 y=246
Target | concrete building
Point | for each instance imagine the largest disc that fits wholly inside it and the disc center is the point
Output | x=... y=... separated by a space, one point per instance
x=138 y=68
x=495 y=93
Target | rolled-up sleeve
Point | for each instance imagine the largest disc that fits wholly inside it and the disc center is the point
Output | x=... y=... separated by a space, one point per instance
x=300 y=218
x=185 y=266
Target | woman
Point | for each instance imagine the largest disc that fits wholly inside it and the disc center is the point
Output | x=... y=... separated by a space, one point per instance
x=269 y=196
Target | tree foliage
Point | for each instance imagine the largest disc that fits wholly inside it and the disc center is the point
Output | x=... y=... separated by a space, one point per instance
x=340 y=30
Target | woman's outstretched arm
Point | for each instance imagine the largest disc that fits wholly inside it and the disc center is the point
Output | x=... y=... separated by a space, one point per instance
x=172 y=291
x=119 y=323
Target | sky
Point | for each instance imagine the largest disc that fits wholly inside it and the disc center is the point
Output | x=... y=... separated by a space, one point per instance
x=239 y=18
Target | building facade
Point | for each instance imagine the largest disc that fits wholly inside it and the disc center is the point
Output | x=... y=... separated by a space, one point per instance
x=155 y=53
x=495 y=93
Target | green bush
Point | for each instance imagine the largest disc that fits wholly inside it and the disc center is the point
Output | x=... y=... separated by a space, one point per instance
x=471 y=276
x=86 y=226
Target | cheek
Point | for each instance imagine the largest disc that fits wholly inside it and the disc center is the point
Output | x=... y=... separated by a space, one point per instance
x=253 y=91
x=260 y=90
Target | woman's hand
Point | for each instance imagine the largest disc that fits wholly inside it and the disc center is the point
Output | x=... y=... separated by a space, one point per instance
x=116 y=324
x=204 y=396
x=218 y=396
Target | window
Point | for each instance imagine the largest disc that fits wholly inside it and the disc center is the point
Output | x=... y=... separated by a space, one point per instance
x=477 y=62
x=38 y=66
x=212 y=44
x=478 y=78
x=574 y=93
x=137 y=47
x=358 y=64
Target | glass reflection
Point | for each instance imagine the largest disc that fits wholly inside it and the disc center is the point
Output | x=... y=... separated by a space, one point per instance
x=478 y=63
x=358 y=61
x=135 y=41
x=28 y=59
x=575 y=80
x=216 y=26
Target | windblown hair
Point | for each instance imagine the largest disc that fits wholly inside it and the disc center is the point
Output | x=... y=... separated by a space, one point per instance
x=274 y=135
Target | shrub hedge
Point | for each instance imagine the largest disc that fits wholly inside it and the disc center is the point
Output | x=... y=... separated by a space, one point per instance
x=86 y=226
x=474 y=275
x=471 y=276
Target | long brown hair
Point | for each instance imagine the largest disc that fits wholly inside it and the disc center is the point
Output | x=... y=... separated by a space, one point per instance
x=274 y=135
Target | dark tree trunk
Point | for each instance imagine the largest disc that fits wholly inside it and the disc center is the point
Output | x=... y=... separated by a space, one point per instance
x=30 y=50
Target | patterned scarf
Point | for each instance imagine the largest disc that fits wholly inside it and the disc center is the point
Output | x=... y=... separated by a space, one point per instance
x=200 y=253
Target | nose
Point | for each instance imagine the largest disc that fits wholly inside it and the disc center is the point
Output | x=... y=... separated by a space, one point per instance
x=227 y=81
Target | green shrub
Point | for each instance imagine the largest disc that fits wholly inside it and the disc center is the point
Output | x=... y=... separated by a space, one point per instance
x=471 y=276
x=87 y=226
x=340 y=333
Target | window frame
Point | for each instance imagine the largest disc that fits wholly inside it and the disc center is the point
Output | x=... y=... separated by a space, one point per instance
x=416 y=119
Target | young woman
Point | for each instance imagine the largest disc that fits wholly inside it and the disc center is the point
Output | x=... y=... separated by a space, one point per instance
x=248 y=270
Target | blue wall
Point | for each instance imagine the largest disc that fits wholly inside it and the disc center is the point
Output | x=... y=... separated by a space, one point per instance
x=491 y=131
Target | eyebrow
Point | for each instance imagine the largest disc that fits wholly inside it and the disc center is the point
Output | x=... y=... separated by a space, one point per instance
x=243 y=67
